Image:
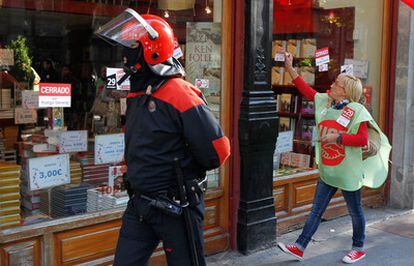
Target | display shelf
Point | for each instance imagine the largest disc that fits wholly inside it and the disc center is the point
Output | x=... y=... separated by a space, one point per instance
x=292 y=89
x=296 y=62
x=296 y=115
x=296 y=35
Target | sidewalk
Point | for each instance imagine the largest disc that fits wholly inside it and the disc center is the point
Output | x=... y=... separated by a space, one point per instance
x=389 y=241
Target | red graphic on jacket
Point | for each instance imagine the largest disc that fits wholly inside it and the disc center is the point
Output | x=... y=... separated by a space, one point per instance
x=331 y=153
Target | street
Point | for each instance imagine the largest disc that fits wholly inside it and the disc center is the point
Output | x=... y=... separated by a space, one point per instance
x=389 y=241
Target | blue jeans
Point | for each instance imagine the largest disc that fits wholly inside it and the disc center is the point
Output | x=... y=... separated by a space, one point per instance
x=321 y=200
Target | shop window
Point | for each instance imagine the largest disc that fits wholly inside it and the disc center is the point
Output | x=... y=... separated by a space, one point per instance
x=352 y=33
x=54 y=161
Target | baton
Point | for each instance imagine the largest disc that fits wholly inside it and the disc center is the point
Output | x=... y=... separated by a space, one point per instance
x=186 y=212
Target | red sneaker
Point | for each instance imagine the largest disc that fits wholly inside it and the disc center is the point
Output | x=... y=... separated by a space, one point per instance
x=354 y=256
x=291 y=250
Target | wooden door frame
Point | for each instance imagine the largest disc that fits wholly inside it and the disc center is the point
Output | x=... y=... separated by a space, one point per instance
x=387 y=83
x=235 y=12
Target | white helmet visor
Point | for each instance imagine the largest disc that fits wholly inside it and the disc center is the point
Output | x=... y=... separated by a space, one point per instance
x=126 y=29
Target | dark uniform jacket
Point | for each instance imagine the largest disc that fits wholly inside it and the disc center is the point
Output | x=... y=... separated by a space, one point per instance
x=172 y=122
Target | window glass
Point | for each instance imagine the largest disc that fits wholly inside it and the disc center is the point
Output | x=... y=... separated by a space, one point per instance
x=58 y=161
x=351 y=33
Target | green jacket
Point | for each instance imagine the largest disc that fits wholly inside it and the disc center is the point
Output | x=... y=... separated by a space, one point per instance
x=342 y=166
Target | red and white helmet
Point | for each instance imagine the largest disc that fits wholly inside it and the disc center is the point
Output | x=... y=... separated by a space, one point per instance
x=131 y=29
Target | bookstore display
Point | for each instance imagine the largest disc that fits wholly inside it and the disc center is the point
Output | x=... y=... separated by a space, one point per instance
x=296 y=114
x=318 y=59
x=55 y=157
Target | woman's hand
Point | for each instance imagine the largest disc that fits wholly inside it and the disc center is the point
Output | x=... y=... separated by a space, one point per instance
x=330 y=138
x=288 y=60
x=289 y=64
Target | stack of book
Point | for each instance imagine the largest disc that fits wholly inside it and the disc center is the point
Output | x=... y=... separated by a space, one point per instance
x=75 y=172
x=9 y=156
x=9 y=195
x=5 y=99
x=6 y=114
x=94 y=201
x=10 y=135
x=68 y=200
x=295 y=160
x=30 y=199
x=95 y=174
x=98 y=200
x=2 y=147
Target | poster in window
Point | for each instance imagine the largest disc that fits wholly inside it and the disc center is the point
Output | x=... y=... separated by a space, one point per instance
x=203 y=59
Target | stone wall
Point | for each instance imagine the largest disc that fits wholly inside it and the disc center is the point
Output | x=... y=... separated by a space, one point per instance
x=402 y=174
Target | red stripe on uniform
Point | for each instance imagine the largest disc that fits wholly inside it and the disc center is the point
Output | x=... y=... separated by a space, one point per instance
x=134 y=94
x=222 y=147
x=179 y=94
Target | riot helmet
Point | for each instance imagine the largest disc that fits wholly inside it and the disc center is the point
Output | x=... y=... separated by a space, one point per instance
x=152 y=33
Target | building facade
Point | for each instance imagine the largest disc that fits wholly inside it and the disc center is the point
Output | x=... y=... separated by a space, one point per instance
x=230 y=52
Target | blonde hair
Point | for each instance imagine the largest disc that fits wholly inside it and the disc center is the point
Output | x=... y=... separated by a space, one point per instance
x=352 y=85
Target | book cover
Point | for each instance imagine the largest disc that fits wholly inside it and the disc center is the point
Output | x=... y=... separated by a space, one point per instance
x=285 y=159
x=299 y=160
x=294 y=104
x=287 y=79
x=278 y=102
x=277 y=75
x=203 y=60
x=292 y=124
x=296 y=160
x=284 y=124
x=308 y=48
x=307 y=129
x=293 y=47
x=307 y=107
x=308 y=74
x=285 y=102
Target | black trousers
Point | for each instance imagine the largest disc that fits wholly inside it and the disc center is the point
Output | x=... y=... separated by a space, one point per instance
x=143 y=227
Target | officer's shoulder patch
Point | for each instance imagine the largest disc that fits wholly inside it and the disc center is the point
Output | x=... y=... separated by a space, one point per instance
x=152 y=106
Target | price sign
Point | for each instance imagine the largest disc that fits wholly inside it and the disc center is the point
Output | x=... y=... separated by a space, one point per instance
x=360 y=67
x=115 y=76
x=73 y=141
x=284 y=142
x=347 y=69
x=49 y=171
x=30 y=99
x=109 y=148
x=25 y=116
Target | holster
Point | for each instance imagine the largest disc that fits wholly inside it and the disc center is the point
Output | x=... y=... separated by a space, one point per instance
x=127 y=186
x=165 y=205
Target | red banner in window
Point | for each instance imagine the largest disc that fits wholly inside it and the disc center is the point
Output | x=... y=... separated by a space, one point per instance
x=292 y=16
x=409 y=2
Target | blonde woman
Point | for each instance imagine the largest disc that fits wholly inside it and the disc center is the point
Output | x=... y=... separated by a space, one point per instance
x=342 y=126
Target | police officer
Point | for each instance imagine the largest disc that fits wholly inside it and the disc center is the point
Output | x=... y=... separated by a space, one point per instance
x=167 y=119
